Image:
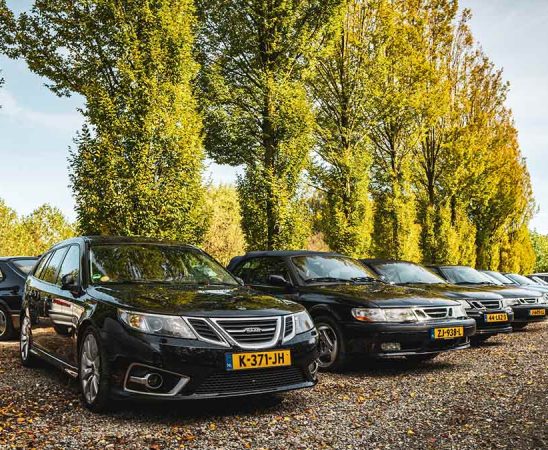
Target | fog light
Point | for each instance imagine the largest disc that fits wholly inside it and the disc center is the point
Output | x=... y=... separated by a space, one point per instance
x=390 y=346
x=154 y=381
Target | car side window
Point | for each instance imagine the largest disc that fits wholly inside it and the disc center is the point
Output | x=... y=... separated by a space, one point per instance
x=41 y=264
x=71 y=264
x=50 y=272
x=256 y=271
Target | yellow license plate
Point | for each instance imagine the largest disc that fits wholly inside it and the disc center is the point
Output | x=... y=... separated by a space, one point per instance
x=496 y=317
x=448 y=333
x=537 y=312
x=258 y=360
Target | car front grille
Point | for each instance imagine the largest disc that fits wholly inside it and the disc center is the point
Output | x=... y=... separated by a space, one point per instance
x=249 y=381
x=491 y=304
x=288 y=328
x=252 y=332
x=204 y=330
x=437 y=313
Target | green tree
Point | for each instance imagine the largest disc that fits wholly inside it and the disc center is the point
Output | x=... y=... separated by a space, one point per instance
x=340 y=91
x=256 y=109
x=395 y=78
x=540 y=247
x=137 y=165
x=32 y=234
x=224 y=238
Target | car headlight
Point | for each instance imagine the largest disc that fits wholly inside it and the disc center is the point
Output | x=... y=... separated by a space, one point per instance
x=510 y=301
x=460 y=311
x=303 y=322
x=157 y=324
x=384 y=315
x=545 y=297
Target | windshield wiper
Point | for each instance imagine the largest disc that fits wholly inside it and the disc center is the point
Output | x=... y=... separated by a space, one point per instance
x=327 y=279
x=365 y=279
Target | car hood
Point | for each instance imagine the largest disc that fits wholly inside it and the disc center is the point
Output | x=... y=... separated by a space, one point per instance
x=457 y=292
x=210 y=301
x=377 y=294
x=509 y=292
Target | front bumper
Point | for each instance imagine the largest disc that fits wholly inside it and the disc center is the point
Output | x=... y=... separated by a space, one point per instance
x=485 y=328
x=523 y=313
x=194 y=369
x=413 y=338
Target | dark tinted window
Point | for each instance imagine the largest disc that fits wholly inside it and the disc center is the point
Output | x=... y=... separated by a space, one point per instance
x=24 y=265
x=71 y=264
x=41 y=265
x=155 y=263
x=401 y=273
x=49 y=274
x=256 y=271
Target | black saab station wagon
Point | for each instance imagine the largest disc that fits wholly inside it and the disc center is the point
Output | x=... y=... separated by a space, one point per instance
x=13 y=273
x=147 y=319
x=486 y=308
x=528 y=305
x=356 y=313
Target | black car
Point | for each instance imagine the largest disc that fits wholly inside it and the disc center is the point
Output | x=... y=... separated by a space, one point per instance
x=13 y=273
x=356 y=313
x=146 y=319
x=528 y=305
x=527 y=283
x=485 y=307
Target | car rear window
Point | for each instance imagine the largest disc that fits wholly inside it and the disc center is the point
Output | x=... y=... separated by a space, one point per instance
x=24 y=265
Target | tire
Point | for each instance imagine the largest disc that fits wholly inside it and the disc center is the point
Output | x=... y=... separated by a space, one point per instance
x=6 y=324
x=93 y=373
x=421 y=358
x=25 y=343
x=519 y=325
x=332 y=356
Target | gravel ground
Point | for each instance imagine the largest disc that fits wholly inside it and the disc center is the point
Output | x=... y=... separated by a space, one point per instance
x=493 y=396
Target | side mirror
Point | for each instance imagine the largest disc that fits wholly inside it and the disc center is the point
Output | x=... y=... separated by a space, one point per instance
x=239 y=280
x=68 y=283
x=278 y=280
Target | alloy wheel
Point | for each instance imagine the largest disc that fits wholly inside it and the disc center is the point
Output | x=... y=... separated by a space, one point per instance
x=3 y=322
x=90 y=368
x=329 y=345
x=26 y=336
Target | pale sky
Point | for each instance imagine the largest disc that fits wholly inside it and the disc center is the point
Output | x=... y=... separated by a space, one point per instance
x=37 y=128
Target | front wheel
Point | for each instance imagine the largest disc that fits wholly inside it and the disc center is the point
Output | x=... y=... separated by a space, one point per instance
x=25 y=343
x=93 y=374
x=6 y=325
x=331 y=344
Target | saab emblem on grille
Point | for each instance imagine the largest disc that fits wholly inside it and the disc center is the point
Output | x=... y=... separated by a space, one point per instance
x=253 y=330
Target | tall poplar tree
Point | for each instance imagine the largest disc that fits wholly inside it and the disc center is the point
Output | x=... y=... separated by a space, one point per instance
x=138 y=162
x=256 y=109
x=340 y=90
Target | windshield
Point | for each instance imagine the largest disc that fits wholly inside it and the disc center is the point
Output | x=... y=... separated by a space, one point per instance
x=466 y=275
x=24 y=265
x=154 y=263
x=520 y=279
x=498 y=277
x=321 y=268
x=403 y=273
x=539 y=280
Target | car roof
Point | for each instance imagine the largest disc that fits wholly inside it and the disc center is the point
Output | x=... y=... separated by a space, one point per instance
x=119 y=240
x=16 y=258
x=283 y=253
x=448 y=265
